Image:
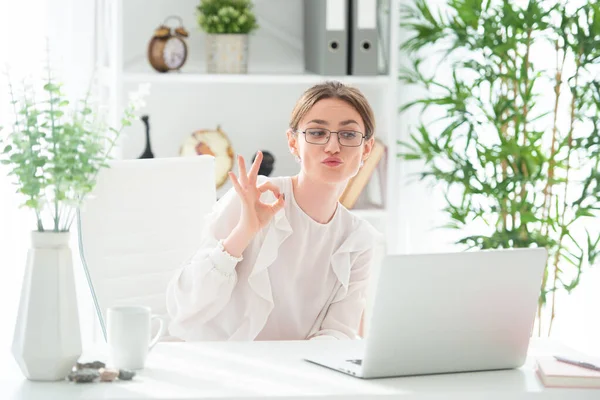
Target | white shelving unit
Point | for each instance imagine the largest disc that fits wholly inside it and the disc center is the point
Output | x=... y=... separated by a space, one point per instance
x=254 y=108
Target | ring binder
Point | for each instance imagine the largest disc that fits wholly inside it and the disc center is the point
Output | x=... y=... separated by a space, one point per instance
x=363 y=37
x=326 y=36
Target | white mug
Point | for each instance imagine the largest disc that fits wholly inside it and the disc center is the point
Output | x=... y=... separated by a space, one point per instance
x=128 y=331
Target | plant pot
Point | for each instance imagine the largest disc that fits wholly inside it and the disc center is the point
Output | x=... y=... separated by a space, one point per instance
x=47 y=338
x=227 y=53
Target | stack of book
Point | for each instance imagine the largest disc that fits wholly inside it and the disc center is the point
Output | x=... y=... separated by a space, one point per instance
x=555 y=373
x=368 y=188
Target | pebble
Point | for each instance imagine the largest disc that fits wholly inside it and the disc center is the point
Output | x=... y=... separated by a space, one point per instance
x=92 y=371
x=126 y=375
x=108 y=374
x=92 y=365
x=84 y=375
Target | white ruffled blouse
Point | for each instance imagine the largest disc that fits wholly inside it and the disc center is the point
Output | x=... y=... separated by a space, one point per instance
x=298 y=279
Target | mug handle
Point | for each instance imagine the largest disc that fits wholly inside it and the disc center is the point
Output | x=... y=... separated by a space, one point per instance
x=162 y=328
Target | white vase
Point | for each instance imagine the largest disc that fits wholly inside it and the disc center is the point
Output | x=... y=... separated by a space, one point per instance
x=227 y=53
x=47 y=339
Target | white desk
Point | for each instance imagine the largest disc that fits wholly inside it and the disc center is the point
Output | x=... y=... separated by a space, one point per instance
x=275 y=369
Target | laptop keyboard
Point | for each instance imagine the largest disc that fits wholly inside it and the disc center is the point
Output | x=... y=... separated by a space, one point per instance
x=357 y=362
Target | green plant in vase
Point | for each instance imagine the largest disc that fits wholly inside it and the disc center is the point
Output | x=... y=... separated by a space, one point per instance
x=228 y=24
x=517 y=143
x=54 y=153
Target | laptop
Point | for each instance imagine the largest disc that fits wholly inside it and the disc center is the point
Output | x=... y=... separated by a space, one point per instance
x=448 y=313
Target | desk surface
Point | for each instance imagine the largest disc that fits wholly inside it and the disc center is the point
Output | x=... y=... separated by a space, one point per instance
x=226 y=370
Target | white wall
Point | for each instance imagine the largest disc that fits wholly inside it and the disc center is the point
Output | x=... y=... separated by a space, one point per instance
x=24 y=26
x=14 y=223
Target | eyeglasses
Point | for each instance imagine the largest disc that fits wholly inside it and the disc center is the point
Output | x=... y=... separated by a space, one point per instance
x=322 y=135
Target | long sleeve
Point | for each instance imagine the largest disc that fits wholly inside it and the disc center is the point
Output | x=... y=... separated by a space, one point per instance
x=201 y=288
x=343 y=316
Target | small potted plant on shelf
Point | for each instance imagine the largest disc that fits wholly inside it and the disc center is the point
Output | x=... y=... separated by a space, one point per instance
x=53 y=152
x=227 y=24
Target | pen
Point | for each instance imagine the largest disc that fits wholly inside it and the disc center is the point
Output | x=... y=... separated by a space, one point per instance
x=578 y=363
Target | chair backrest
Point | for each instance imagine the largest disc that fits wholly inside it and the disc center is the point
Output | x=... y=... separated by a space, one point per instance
x=142 y=220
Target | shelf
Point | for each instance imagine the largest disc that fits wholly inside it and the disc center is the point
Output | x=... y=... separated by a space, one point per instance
x=184 y=101
x=144 y=73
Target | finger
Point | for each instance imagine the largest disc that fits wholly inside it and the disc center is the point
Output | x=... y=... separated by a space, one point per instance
x=236 y=184
x=278 y=205
x=243 y=174
x=255 y=167
x=269 y=186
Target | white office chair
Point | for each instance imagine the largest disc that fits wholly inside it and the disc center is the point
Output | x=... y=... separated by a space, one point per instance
x=143 y=219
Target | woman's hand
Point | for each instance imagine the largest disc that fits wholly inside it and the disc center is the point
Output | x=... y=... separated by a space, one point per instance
x=255 y=214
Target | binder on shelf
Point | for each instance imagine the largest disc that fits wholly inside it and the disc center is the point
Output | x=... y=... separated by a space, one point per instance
x=364 y=55
x=326 y=36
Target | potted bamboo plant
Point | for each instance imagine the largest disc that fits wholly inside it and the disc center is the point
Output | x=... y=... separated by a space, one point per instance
x=54 y=152
x=517 y=145
x=228 y=24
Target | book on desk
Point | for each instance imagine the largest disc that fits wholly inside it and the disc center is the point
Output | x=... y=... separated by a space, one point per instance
x=554 y=373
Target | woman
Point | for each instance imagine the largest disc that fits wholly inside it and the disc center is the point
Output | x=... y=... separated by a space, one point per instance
x=281 y=258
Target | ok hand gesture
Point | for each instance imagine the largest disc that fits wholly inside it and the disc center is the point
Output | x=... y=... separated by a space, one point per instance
x=255 y=214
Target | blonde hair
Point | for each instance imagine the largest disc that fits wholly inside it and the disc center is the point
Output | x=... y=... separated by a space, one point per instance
x=335 y=90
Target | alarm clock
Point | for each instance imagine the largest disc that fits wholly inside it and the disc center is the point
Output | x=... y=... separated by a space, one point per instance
x=167 y=50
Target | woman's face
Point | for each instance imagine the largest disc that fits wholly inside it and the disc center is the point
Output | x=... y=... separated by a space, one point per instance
x=330 y=162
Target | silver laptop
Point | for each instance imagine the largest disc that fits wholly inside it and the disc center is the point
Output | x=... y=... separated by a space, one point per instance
x=449 y=312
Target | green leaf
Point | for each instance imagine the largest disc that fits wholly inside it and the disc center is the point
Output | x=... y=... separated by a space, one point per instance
x=51 y=87
x=409 y=156
x=32 y=203
x=584 y=212
x=468 y=11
